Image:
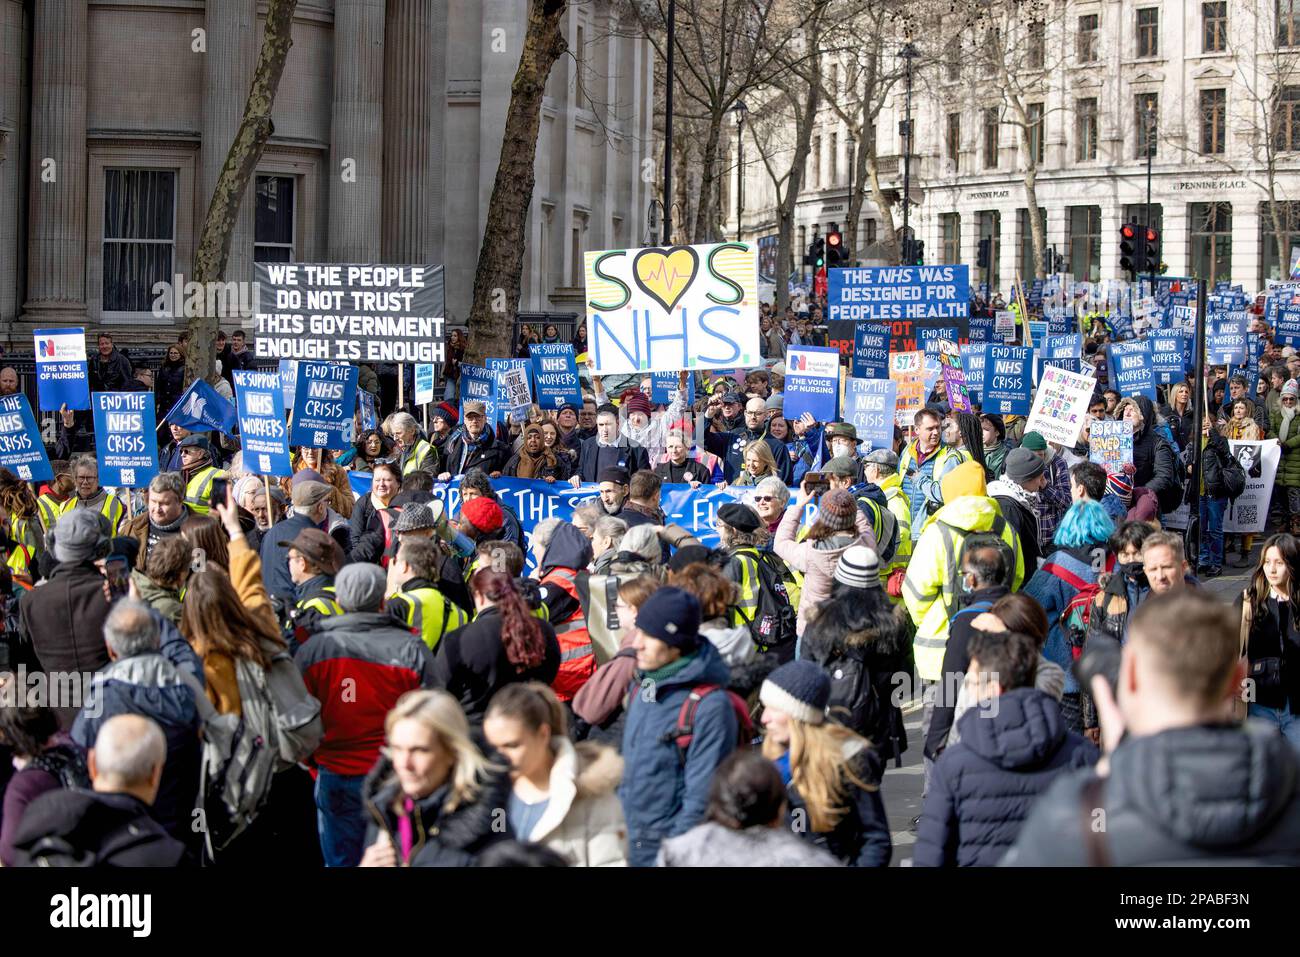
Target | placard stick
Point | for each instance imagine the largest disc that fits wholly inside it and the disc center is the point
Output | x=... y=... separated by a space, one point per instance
x=270 y=502
x=401 y=381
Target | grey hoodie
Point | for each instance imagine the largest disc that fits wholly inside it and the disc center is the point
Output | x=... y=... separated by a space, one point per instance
x=712 y=845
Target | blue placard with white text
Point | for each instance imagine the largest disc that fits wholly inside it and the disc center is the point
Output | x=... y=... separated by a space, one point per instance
x=1227 y=345
x=871 y=350
x=262 y=435
x=1007 y=386
x=324 y=405
x=62 y=376
x=1131 y=371
x=501 y=365
x=479 y=385
x=1169 y=355
x=126 y=438
x=974 y=355
x=21 y=449
x=885 y=293
x=812 y=382
x=869 y=405
x=663 y=384
x=555 y=374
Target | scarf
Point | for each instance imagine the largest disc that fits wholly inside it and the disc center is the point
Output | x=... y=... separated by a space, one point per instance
x=171 y=528
x=530 y=466
x=660 y=675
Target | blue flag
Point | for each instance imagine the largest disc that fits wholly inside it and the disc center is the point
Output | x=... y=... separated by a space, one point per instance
x=201 y=409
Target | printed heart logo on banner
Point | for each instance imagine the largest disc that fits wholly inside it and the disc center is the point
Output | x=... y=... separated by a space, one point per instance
x=665 y=275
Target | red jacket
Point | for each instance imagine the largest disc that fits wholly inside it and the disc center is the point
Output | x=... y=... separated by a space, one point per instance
x=357 y=666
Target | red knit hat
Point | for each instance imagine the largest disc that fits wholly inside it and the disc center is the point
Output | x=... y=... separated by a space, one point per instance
x=483 y=513
x=637 y=402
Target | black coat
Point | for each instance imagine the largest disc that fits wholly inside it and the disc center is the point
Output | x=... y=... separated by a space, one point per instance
x=487 y=454
x=1154 y=461
x=110 y=374
x=956 y=659
x=63 y=623
x=168 y=386
x=471 y=663
x=633 y=457
x=1025 y=524
x=1270 y=639
x=861 y=837
x=1216 y=456
x=982 y=788
x=71 y=828
x=442 y=838
x=1207 y=794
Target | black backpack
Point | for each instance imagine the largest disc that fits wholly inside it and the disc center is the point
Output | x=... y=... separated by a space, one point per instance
x=774 y=624
x=1234 y=476
x=854 y=701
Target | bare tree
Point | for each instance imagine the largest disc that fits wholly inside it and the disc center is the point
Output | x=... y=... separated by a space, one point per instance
x=1006 y=54
x=245 y=152
x=501 y=257
x=724 y=50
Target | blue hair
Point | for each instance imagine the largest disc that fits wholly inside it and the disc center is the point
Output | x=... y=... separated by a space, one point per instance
x=1086 y=523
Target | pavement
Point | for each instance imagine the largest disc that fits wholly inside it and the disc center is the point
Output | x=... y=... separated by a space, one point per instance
x=902 y=786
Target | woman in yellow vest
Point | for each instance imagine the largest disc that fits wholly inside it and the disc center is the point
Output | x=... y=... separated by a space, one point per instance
x=19 y=514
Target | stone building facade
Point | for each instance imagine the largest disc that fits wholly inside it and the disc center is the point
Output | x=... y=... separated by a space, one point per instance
x=116 y=116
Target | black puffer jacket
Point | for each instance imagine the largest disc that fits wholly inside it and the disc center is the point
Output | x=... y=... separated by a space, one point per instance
x=983 y=787
x=1207 y=794
x=1154 y=460
x=75 y=828
x=442 y=838
x=861 y=838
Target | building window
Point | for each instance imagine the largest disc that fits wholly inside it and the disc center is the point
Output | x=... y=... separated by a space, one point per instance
x=991 y=137
x=577 y=266
x=1214 y=115
x=817 y=162
x=139 y=236
x=1210 y=225
x=1214 y=26
x=1028 y=261
x=1288 y=22
x=1286 y=120
x=950 y=224
x=1146 y=121
x=1085 y=242
x=953 y=138
x=1148 y=32
x=952 y=60
x=1034 y=113
x=273 y=229
x=871 y=232
x=1271 y=265
x=834 y=159
x=1085 y=129
x=990 y=228
x=1086 y=39
x=1036 y=45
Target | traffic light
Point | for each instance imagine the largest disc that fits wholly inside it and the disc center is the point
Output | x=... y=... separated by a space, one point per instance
x=1132 y=240
x=1150 y=253
x=819 y=252
x=982 y=257
x=918 y=253
x=834 y=248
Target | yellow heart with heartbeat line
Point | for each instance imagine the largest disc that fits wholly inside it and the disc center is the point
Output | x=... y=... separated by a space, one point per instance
x=665 y=275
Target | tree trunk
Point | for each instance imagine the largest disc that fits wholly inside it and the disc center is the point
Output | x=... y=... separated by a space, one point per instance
x=886 y=213
x=710 y=211
x=857 y=195
x=255 y=129
x=1279 y=235
x=501 y=257
x=785 y=217
x=1036 y=233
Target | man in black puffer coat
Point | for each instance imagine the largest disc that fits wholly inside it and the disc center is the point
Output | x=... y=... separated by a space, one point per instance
x=1013 y=745
x=1188 y=785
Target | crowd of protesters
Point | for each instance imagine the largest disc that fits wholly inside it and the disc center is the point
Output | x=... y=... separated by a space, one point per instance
x=321 y=676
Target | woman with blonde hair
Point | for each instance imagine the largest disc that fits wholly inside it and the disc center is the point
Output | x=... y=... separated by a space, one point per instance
x=832 y=774
x=19 y=514
x=433 y=797
x=759 y=463
x=332 y=474
x=562 y=796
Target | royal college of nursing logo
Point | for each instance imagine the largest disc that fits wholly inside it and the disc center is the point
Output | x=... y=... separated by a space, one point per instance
x=47 y=348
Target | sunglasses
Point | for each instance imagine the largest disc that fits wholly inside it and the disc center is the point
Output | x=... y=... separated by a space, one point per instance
x=764 y=498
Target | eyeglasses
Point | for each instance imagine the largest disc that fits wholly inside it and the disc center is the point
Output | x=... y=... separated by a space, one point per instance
x=764 y=498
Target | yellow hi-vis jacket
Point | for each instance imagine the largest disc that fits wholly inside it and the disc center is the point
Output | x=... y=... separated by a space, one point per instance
x=427 y=613
x=932 y=588
x=901 y=509
x=198 y=491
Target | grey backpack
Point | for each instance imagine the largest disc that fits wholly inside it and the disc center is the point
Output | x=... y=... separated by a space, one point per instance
x=297 y=713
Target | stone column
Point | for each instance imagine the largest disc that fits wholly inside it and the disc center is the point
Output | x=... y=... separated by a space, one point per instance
x=56 y=259
x=408 y=175
x=357 y=144
x=228 y=68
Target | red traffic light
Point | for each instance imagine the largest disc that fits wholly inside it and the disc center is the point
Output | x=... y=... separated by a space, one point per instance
x=832 y=239
x=1127 y=231
x=1152 y=235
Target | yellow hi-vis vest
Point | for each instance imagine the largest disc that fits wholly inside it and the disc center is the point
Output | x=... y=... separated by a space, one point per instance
x=51 y=508
x=198 y=492
x=428 y=613
x=21 y=557
x=418 y=454
x=112 y=509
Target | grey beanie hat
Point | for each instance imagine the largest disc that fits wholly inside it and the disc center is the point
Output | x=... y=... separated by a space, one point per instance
x=360 y=587
x=1023 y=466
x=79 y=536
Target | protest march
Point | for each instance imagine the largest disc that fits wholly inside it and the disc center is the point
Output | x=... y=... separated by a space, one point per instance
x=668 y=593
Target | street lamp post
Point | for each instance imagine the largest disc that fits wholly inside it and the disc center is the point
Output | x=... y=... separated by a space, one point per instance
x=741 y=110
x=668 y=126
x=1149 y=117
x=908 y=54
